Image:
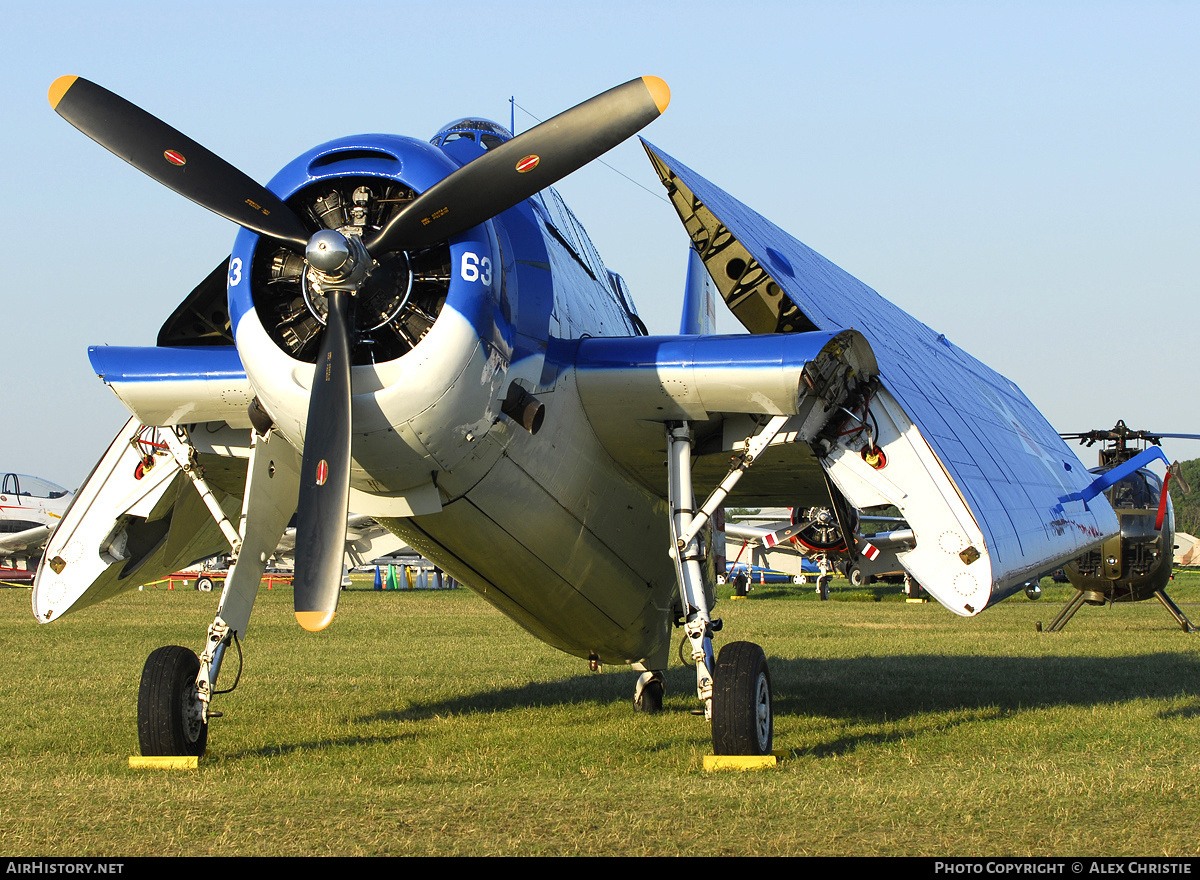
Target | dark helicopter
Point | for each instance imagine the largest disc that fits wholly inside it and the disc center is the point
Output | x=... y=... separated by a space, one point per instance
x=1136 y=564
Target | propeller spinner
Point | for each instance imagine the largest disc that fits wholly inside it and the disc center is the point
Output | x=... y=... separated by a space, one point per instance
x=503 y=177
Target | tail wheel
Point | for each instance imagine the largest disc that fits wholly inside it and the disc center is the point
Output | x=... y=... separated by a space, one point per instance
x=742 y=717
x=649 y=699
x=170 y=717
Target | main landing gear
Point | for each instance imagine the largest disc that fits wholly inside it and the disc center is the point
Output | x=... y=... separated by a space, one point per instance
x=177 y=686
x=1094 y=597
x=736 y=688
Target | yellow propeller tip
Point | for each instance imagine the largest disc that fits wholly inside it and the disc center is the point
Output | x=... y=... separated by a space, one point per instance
x=314 y=621
x=659 y=92
x=59 y=87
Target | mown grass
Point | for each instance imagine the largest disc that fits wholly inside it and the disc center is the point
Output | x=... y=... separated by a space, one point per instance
x=427 y=724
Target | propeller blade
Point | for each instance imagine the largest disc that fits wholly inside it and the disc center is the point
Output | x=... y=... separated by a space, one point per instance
x=173 y=159
x=512 y=172
x=324 y=500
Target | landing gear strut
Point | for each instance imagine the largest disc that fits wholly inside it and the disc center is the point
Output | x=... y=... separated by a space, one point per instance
x=736 y=690
x=177 y=686
x=1092 y=597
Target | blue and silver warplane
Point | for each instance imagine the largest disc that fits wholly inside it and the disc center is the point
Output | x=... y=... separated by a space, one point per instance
x=421 y=332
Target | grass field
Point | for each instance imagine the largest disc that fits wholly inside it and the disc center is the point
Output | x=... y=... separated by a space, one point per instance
x=427 y=724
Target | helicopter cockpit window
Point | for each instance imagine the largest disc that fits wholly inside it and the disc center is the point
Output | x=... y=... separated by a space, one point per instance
x=1138 y=491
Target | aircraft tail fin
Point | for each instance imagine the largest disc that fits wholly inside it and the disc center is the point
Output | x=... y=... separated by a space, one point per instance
x=699 y=299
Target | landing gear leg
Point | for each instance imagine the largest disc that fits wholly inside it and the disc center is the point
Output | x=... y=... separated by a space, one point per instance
x=1174 y=611
x=177 y=686
x=736 y=693
x=1064 y=616
x=698 y=623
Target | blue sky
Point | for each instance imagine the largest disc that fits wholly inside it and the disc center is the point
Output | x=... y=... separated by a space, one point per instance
x=1020 y=176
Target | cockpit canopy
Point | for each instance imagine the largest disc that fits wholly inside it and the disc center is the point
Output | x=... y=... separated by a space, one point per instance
x=483 y=132
x=33 y=487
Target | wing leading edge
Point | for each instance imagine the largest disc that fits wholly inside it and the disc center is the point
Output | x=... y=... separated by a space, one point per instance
x=979 y=449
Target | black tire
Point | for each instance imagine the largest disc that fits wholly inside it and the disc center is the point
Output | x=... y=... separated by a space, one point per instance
x=650 y=700
x=743 y=720
x=168 y=711
x=740 y=584
x=823 y=587
x=856 y=577
x=204 y=585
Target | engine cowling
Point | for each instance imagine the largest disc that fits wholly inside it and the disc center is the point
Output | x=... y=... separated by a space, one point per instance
x=426 y=330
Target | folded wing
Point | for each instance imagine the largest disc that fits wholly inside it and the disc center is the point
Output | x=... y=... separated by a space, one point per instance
x=981 y=476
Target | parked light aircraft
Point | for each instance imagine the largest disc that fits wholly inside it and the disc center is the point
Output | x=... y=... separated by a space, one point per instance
x=422 y=332
x=834 y=541
x=30 y=508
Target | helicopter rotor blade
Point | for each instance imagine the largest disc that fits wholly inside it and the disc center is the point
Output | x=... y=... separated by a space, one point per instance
x=1172 y=436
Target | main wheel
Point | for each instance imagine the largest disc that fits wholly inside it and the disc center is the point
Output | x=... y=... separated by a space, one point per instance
x=170 y=721
x=742 y=718
x=856 y=577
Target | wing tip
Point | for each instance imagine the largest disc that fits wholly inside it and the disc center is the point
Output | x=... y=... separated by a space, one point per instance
x=59 y=87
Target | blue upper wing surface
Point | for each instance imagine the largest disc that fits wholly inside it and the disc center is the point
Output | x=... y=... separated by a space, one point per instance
x=1009 y=465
